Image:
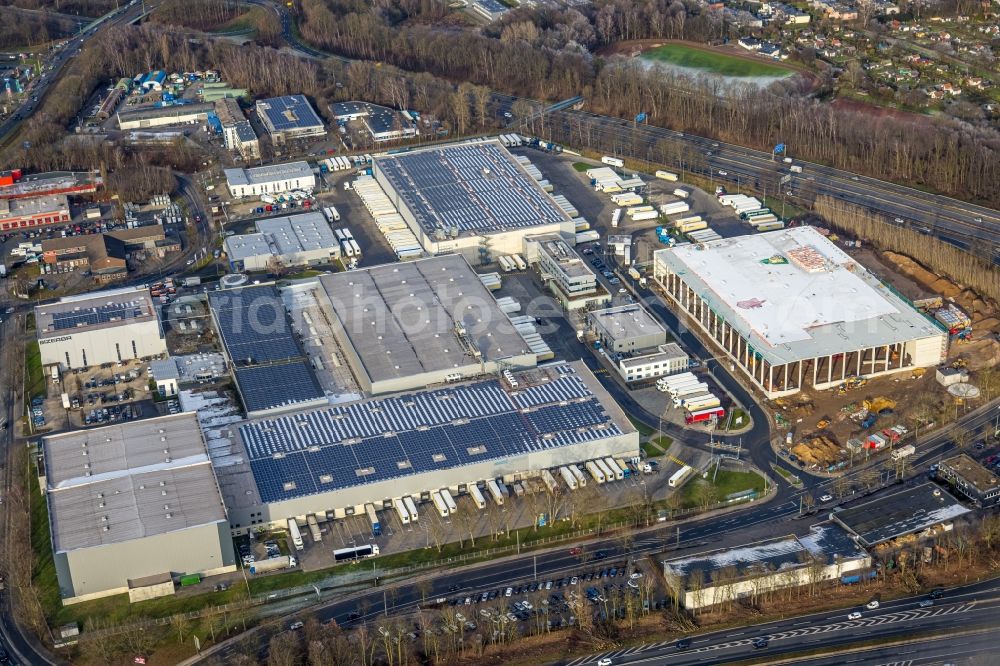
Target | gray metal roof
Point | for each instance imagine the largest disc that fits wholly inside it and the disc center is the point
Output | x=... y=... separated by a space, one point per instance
x=795 y=295
x=901 y=513
x=477 y=188
x=268 y=174
x=564 y=256
x=826 y=541
x=627 y=321
x=130 y=480
x=305 y=232
x=666 y=352
x=102 y=309
x=401 y=318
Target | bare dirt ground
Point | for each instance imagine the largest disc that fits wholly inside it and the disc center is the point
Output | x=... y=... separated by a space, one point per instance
x=875 y=111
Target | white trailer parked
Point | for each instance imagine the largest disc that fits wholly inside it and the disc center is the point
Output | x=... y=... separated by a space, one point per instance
x=411 y=508
x=678 y=477
x=595 y=472
x=581 y=478
x=477 y=496
x=440 y=504
x=494 y=489
x=400 y=507
x=549 y=480
x=449 y=500
x=568 y=477
x=613 y=466
x=294 y=534
x=608 y=474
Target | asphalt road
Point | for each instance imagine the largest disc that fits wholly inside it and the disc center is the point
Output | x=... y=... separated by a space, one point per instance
x=125 y=14
x=969 y=226
x=961 y=609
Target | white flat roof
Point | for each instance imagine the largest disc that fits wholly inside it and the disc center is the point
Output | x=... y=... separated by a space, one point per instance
x=795 y=294
x=268 y=174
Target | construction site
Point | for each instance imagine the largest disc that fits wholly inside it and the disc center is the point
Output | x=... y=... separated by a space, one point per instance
x=828 y=430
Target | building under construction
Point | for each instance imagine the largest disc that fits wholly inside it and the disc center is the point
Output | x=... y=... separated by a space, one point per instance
x=791 y=309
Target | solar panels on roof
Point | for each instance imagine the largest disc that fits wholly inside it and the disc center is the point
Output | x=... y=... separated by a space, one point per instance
x=289 y=112
x=349 y=445
x=103 y=314
x=254 y=325
x=476 y=188
x=269 y=386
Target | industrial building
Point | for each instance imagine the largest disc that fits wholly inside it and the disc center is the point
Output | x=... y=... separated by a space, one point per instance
x=15 y=184
x=99 y=327
x=330 y=462
x=565 y=273
x=305 y=239
x=237 y=133
x=164 y=116
x=490 y=10
x=381 y=122
x=909 y=511
x=271 y=372
x=472 y=198
x=409 y=325
x=755 y=569
x=627 y=328
x=28 y=213
x=289 y=117
x=270 y=179
x=788 y=307
x=105 y=255
x=970 y=480
x=668 y=359
x=131 y=501
x=171 y=374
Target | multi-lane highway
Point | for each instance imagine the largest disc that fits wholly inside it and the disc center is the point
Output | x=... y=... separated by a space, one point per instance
x=969 y=226
x=965 y=609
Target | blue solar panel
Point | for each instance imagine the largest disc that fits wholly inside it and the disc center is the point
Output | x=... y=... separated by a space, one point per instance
x=268 y=386
x=253 y=325
x=99 y=315
x=289 y=112
x=410 y=434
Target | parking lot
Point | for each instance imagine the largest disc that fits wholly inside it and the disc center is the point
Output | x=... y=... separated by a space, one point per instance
x=111 y=393
x=517 y=512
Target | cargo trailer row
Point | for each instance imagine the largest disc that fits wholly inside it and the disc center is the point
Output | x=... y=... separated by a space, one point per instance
x=565 y=205
x=336 y=163
x=491 y=281
x=690 y=224
x=388 y=220
x=704 y=236
x=631 y=211
x=510 y=140
x=508 y=305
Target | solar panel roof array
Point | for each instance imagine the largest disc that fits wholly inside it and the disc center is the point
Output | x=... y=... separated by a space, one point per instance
x=96 y=310
x=269 y=386
x=291 y=112
x=254 y=325
x=269 y=367
x=476 y=188
x=339 y=447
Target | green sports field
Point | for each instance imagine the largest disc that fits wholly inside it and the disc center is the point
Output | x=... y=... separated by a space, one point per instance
x=718 y=63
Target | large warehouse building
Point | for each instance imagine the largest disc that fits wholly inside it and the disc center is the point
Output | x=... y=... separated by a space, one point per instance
x=271 y=179
x=331 y=461
x=473 y=198
x=289 y=117
x=293 y=240
x=165 y=116
x=101 y=327
x=132 y=501
x=409 y=325
x=789 y=307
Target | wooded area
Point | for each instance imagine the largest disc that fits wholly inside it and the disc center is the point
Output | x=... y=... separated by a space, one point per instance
x=18 y=29
x=92 y=8
x=538 y=53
